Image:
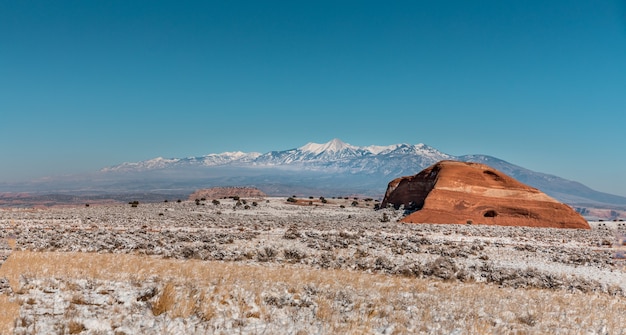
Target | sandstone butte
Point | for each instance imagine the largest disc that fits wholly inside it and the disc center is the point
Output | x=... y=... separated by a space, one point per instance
x=473 y=193
x=225 y=192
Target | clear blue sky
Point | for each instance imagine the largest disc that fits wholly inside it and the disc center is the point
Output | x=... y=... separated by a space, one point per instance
x=88 y=84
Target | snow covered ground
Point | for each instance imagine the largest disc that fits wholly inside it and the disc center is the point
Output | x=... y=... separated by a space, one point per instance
x=274 y=267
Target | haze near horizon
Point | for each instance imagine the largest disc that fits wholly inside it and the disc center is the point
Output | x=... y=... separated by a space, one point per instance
x=85 y=85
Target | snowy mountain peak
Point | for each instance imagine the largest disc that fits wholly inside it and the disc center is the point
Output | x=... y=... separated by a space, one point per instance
x=334 y=145
x=378 y=149
x=334 y=155
x=236 y=154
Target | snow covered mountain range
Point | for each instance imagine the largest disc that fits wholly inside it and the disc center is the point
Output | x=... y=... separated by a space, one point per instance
x=334 y=166
x=333 y=156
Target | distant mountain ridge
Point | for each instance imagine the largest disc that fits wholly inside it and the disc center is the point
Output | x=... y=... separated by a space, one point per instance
x=334 y=167
x=333 y=156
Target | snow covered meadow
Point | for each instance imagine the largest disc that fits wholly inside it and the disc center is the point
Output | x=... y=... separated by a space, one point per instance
x=279 y=268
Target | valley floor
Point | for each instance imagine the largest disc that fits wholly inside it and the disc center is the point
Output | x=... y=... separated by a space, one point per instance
x=275 y=267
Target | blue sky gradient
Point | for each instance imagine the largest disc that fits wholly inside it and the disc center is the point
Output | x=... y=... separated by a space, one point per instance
x=88 y=84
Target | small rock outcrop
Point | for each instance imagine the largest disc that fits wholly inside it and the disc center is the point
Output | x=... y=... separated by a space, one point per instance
x=473 y=193
x=225 y=192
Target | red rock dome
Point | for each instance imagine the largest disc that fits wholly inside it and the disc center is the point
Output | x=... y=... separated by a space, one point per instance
x=460 y=192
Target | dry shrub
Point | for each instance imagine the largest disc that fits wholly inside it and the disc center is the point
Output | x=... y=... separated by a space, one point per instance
x=181 y=301
x=75 y=327
x=78 y=299
x=206 y=310
x=166 y=300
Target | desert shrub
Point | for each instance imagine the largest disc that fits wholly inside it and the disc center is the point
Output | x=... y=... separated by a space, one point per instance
x=292 y=233
x=266 y=254
x=355 y=203
x=411 y=270
x=383 y=263
x=528 y=318
x=215 y=202
x=294 y=254
x=75 y=327
x=254 y=204
x=326 y=260
x=291 y=199
x=442 y=267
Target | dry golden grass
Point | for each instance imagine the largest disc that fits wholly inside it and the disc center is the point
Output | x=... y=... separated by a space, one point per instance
x=11 y=242
x=9 y=311
x=199 y=287
x=166 y=300
x=75 y=327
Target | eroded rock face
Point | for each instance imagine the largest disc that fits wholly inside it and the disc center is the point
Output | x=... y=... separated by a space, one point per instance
x=225 y=192
x=460 y=192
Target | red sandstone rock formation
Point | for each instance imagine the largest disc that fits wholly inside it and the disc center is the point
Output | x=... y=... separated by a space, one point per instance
x=224 y=192
x=459 y=192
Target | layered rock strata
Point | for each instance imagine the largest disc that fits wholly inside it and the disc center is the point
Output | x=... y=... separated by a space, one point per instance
x=473 y=193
